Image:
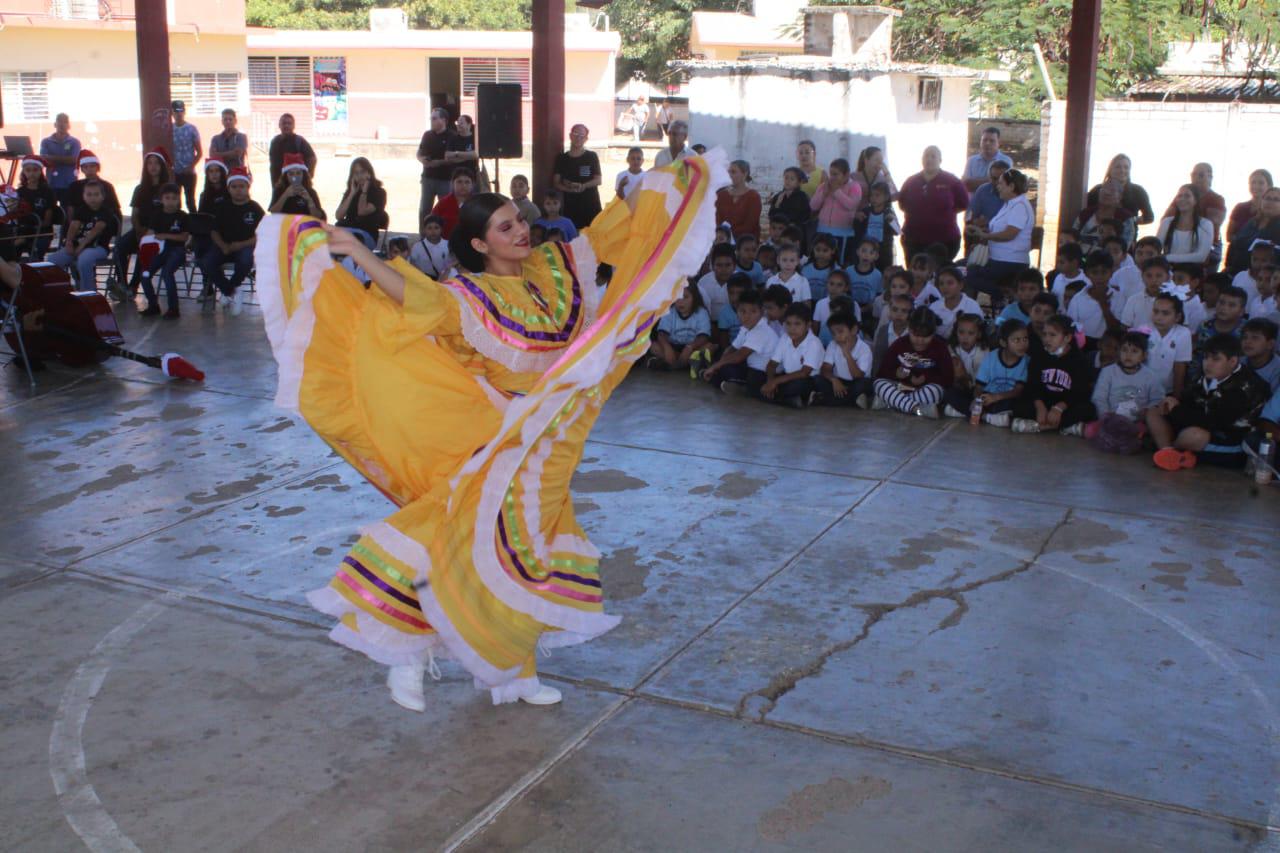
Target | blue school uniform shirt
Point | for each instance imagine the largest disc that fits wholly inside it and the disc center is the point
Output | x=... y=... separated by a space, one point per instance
x=1270 y=372
x=997 y=377
x=1013 y=311
x=563 y=223
x=817 y=279
x=684 y=329
x=755 y=272
x=864 y=287
x=875 y=225
x=727 y=321
x=1271 y=411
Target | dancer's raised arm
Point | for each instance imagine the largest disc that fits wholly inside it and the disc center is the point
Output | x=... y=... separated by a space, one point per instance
x=343 y=242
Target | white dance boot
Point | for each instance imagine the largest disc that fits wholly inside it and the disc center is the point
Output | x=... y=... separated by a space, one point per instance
x=405 y=682
x=546 y=695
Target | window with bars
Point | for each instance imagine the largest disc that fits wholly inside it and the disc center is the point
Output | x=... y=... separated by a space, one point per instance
x=205 y=93
x=929 y=94
x=477 y=70
x=280 y=76
x=26 y=95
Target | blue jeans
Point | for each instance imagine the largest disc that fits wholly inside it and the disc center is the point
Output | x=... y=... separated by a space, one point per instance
x=81 y=266
x=211 y=266
x=166 y=263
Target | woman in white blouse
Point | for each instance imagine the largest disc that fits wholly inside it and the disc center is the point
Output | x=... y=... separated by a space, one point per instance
x=1187 y=236
x=1007 y=235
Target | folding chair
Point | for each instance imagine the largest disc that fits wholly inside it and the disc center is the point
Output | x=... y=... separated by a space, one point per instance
x=13 y=322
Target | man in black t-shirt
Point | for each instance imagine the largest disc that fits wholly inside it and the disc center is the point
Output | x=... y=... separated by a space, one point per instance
x=437 y=170
x=234 y=236
x=169 y=226
x=288 y=142
x=88 y=238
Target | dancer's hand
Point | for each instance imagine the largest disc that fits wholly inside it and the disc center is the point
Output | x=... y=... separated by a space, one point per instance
x=342 y=241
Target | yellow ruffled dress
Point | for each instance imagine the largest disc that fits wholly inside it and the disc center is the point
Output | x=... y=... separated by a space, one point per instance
x=468 y=407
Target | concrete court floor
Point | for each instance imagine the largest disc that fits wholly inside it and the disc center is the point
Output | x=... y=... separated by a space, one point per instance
x=843 y=631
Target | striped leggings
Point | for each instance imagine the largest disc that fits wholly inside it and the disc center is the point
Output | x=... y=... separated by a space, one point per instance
x=905 y=401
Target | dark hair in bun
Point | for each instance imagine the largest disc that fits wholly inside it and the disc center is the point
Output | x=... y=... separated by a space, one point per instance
x=473 y=223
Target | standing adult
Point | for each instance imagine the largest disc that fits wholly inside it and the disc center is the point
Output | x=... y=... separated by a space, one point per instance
x=461 y=149
x=187 y=152
x=231 y=146
x=664 y=118
x=436 y=169
x=1211 y=206
x=1008 y=237
x=1259 y=182
x=738 y=204
x=871 y=170
x=1132 y=196
x=639 y=112
x=807 y=156
x=577 y=175
x=1264 y=226
x=931 y=200
x=289 y=142
x=677 y=149
x=977 y=169
x=61 y=151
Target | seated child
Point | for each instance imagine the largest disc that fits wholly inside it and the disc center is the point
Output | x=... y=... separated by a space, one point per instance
x=1068 y=269
x=767 y=257
x=430 y=255
x=93 y=224
x=1126 y=277
x=1191 y=277
x=845 y=379
x=1265 y=302
x=713 y=286
x=398 y=247
x=1261 y=255
x=742 y=365
x=1108 y=351
x=1123 y=393
x=1213 y=416
x=1090 y=309
x=551 y=217
x=917 y=369
x=520 y=198
x=817 y=270
x=727 y=321
x=1169 y=343
x=1137 y=311
x=1227 y=319
x=923 y=291
x=537 y=235
x=776 y=301
x=683 y=334
x=1027 y=284
x=1044 y=306
x=896 y=280
x=865 y=277
x=954 y=301
x=748 y=251
x=837 y=293
x=169 y=226
x=555 y=235
x=789 y=275
x=778 y=223
x=999 y=380
x=967 y=350
x=1258 y=344
x=891 y=329
x=1057 y=392
x=796 y=359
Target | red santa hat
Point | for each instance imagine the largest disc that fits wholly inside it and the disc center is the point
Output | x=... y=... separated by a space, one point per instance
x=239 y=173
x=34 y=160
x=161 y=152
x=88 y=158
x=215 y=160
x=292 y=162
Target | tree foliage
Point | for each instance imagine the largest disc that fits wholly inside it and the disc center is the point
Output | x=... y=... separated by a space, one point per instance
x=423 y=14
x=656 y=31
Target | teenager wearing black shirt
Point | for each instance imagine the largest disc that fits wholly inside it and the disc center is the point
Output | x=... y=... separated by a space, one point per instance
x=88 y=237
x=145 y=201
x=363 y=209
x=234 y=236
x=169 y=226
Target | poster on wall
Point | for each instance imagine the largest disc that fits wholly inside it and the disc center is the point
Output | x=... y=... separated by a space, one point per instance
x=329 y=95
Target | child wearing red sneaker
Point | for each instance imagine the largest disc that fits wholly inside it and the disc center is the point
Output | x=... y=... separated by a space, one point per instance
x=1213 y=416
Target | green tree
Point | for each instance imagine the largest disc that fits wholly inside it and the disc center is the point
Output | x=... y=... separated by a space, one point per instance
x=423 y=14
x=656 y=31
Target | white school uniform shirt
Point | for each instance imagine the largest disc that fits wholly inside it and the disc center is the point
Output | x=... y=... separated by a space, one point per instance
x=1245 y=282
x=761 y=340
x=1261 y=306
x=798 y=285
x=432 y=260
x=714 y=294
x=928 y=294
x=947 y=316
x=971 y=360
x=1163 y=351
x=840 y=365
x=822 y=312
x=1087 y=314
x=791 y=357
x=633 y=182
x=1137 y=311
x=1194 y=314
x=1125 y=282
x=779 y=331
x=1060 y=284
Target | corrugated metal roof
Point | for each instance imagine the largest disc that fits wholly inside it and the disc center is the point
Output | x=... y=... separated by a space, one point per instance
x=1206 y=87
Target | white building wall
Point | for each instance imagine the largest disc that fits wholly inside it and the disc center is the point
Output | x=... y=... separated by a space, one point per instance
x=761 y=117
x=1164 y=141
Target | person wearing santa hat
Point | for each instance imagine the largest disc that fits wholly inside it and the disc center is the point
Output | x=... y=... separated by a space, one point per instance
x=91 y=169
x=214 y=191
x=37 y=230
x=234 y=236
x=293 y=193
x=156 y=172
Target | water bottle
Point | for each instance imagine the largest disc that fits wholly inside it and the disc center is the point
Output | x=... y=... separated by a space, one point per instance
x=975 y=411
x=1262 y=475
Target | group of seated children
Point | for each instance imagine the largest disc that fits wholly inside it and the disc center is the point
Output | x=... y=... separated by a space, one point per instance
x=1126 y=351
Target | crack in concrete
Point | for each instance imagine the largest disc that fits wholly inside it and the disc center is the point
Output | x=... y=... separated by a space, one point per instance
x=786 y=680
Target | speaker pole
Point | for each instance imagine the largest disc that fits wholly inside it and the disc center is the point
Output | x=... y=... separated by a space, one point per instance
x=497 y=174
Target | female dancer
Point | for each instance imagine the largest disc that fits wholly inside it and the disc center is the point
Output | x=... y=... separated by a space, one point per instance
x=467 y=403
